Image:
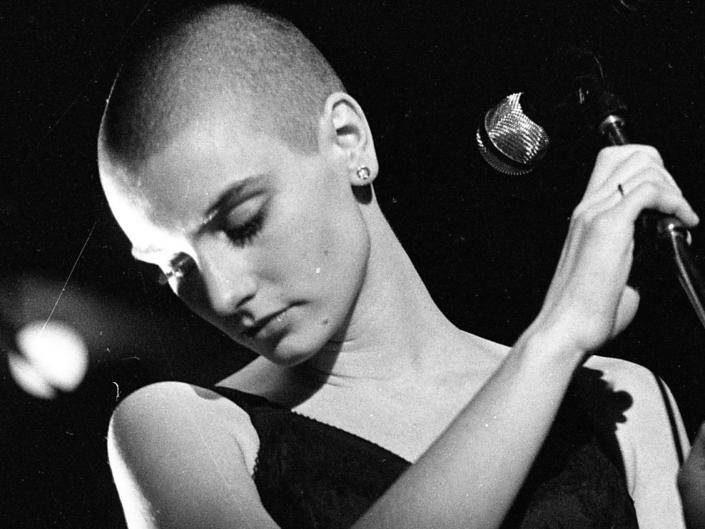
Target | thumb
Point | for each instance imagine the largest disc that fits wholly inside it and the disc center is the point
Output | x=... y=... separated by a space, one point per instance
x=628 y=305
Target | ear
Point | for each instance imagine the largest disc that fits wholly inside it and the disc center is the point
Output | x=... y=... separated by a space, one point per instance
x=345 y=137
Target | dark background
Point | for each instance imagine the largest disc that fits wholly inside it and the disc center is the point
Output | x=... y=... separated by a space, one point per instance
x=424 y=71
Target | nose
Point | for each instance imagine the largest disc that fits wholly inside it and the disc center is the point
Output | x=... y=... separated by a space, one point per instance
x=227 y=280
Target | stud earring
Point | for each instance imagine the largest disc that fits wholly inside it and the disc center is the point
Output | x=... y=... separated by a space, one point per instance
x=363 y=173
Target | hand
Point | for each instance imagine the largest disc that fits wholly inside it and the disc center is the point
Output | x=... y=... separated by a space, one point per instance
x=588 y=301
x=691 y=483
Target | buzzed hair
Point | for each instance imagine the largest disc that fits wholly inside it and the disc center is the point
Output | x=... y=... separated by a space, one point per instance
x=230 y=56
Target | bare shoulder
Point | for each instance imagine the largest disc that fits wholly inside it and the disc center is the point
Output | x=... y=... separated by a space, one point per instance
x=649 y=430
x=621 y=397
x=624 y=375
x=159 y=409
x=640 y=404
x=180 y=453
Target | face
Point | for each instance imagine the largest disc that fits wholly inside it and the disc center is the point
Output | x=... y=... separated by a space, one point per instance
x=267 y=244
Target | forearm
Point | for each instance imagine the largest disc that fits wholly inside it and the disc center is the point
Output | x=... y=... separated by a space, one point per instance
x=473 y=472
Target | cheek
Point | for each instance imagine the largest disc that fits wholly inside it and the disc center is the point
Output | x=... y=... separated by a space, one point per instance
x=326 y=249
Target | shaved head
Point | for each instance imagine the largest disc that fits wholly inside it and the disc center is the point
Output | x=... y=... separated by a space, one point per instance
x=227 y=59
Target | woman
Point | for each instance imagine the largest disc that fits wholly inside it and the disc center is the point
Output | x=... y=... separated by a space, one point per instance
x=233 y=159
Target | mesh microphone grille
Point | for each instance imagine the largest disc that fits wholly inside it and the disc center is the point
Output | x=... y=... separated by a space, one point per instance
x=508 y=140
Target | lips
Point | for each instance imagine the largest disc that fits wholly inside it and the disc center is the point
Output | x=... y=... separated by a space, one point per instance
x=252 y=331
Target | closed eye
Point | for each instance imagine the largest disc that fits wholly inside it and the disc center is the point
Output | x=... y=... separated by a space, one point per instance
x=245 y=233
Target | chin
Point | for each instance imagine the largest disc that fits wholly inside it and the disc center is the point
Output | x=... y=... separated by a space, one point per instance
x=292 y=349
x=287 y=357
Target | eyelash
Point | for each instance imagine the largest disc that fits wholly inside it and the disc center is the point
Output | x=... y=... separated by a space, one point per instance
x=243 y=235
x=240 y=236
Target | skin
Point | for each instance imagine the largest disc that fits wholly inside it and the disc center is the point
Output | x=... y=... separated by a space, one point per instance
x=691 y=483
x=290 y=265
x=359 y=326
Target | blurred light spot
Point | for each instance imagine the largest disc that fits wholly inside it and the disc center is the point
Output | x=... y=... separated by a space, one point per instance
x=54 y=357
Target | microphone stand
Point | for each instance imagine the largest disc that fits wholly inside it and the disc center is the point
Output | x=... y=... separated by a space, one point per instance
x=670 y=232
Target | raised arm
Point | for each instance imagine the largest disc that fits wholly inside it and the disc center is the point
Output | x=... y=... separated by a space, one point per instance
x=169 y=475
x=471 y=475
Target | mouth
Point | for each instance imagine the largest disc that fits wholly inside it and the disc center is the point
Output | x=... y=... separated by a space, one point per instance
x=253 y=330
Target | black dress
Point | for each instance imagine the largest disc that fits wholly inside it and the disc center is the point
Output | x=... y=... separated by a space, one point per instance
x=311 y=475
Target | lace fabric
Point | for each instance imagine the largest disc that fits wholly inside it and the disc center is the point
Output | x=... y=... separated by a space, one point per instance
x=312 y=475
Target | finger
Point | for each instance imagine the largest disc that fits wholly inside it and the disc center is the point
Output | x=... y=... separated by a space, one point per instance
x=636 y=165
x=652 y=175
x=622 y=182
x=619 y=185
x=610 y=158
x=651 y=195
x=615 y=191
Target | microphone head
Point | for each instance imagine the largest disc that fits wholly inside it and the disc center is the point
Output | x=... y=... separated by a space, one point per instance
x=509 y=140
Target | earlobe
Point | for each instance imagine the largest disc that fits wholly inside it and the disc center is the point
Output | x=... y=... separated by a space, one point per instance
x=349 y=137
x=363 y=173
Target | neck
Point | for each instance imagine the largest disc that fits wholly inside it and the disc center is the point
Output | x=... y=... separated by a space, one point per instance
x=395 y=329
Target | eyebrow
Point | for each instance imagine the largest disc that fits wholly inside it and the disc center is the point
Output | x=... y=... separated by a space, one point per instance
x=227 y=199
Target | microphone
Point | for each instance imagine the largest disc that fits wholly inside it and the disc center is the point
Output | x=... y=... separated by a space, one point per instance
x=571 y=88
x=509 y=140
x=515 y=134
